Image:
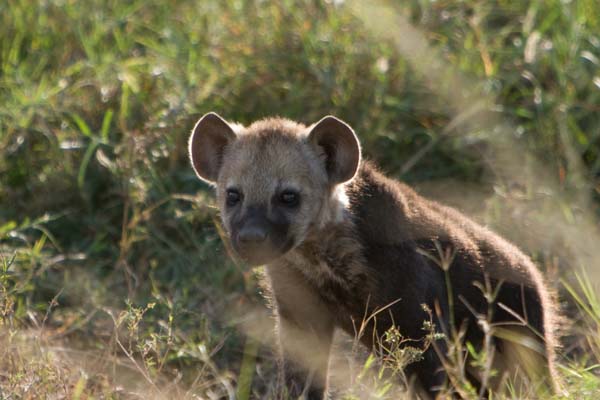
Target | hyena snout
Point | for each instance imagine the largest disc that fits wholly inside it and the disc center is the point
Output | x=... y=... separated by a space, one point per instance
x=259 y=239
x=252 y=235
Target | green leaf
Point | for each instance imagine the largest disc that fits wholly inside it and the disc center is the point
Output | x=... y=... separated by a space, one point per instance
x=106 y=125
x=85 y=162
x=7 y=227
x=82 y=125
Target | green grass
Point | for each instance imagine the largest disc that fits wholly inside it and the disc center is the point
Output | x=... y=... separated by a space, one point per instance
x=113 y=279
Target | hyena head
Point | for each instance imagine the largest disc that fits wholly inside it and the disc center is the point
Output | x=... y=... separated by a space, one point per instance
x=276 y=180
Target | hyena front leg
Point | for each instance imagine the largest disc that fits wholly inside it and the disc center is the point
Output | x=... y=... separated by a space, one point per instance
x=305 y=330
x=304 y=360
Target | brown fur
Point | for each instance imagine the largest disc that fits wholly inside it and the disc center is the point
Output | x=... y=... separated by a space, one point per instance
x=355 y=244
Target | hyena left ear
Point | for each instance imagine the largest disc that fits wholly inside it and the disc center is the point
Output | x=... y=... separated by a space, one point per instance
x=207 y=144
x=338 y=146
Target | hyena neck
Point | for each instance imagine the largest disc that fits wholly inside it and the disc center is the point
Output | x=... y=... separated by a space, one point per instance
x=333 y=222
x=331 y=255
x=334 y=209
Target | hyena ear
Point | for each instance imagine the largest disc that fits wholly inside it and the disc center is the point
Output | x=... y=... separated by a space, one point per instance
x=207 y=144
x=338 y=146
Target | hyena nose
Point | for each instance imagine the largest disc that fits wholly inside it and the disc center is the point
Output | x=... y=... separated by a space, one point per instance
x=252 y=235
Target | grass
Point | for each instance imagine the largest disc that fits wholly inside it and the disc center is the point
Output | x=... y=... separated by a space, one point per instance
x=113 y=280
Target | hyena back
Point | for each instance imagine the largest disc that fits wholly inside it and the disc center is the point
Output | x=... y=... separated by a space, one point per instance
x=341 y=241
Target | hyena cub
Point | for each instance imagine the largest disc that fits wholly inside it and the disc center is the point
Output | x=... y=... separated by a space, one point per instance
x=342 y=242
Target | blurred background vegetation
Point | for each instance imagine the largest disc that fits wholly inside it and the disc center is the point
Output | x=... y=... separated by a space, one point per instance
x=114 y=282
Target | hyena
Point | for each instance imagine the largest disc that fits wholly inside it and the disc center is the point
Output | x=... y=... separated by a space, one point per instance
x=342 y=242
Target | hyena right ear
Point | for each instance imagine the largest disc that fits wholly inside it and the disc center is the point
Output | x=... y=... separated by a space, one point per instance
x=207 y=143
x=337 y=146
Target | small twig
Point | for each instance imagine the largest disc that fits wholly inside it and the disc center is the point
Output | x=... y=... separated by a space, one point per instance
x=53 y=303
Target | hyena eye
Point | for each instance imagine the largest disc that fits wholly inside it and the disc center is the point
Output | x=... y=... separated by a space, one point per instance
x=289 y=198
x=233 y=197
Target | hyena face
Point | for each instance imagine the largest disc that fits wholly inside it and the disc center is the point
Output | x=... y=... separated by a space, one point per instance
x=275 y=179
